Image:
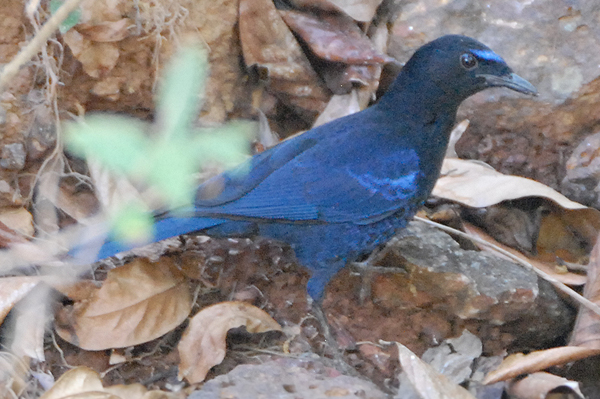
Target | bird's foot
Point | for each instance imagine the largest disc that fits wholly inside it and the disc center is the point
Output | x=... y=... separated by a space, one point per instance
x=365 y=270
x=330 y=341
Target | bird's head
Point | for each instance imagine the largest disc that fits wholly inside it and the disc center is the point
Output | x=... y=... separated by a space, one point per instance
x=462 y=66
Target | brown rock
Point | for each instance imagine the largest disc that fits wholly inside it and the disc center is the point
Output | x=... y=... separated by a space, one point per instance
x=426 y=289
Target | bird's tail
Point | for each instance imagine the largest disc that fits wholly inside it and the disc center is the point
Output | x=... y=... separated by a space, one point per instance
x=98 y=246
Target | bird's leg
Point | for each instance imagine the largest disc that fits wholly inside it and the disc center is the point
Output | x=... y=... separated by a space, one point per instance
x=330 y=340
x=366 y=273
x=321 y=275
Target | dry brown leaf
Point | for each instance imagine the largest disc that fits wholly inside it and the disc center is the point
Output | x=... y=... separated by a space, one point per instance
x=85 y=383
x=203 y=343
x=132 y=391
x=16 y=226
x=107 y=31
x=137 y=303
x=426 y=381
x=339 y=106
x=9 y=237
x=518 y=363
x=19 y=220
x=30 y=296
x=360 y=10
x=268 y=43
x=75 y=381
x=540 y=228
x=539 y=385
x=32 y=315
x=13 y=289
x=96 y=58
x=518 y=228
x=567 y=234
x=342 y=78
x=98 y=11
x=568 y=278
x=477 y=185
x=76 y=203
x=455 y=135
x=354 y=60
x=587 y=327
x=334 y=37
x=565 y=229
x=115 y=191
x=14 y=375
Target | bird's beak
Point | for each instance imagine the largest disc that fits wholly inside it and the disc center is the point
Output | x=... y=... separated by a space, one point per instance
x=511 y=81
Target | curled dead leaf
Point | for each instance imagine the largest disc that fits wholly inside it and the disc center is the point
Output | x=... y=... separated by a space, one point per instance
x=334 y=37
x=478 y=185
x=107 y=31
x=29 y=323
x=586 y=332
x=568 y=234
x=13 y=289
x=339 y=106
x=97 y=58
x=342 y=78
x=73 y=382
x=14 y=374
x=203 y=343
x=96 y=11
x=555 y=228
x=137 y=303
x=85 y=383
x=426 y=381
x=16 y=226
x=268 y=43
x=360 y=10
x=18 y=220
x=549 y=268
x=518 y=363
x=540 y=385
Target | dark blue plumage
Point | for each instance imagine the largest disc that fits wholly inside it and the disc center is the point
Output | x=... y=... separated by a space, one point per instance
x=341 y=189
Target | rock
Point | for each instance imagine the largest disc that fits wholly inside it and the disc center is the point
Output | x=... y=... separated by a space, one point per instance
x=12 y=156
x=582 y=180
x=42 y=135
x=554 y=45
x=287 y=378
x=426 y=289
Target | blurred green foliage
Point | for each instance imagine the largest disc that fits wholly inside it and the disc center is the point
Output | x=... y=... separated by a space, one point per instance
x=70 y=21
x=165 y=155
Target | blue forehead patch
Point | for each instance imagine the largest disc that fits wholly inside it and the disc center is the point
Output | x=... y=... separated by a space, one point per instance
x=488 y=55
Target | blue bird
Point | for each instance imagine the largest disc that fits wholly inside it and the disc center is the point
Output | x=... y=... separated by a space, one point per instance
x=341 y=189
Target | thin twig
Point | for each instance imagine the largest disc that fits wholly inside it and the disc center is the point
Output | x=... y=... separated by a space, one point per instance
x=33 y=47
x=557 y=284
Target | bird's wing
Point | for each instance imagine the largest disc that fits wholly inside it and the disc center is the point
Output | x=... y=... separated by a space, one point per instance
x=234 y=184
x=307 y=180
x=363 y=192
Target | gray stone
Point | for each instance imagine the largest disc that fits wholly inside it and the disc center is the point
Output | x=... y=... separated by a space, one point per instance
x=554 y=44
x=12 y=156
x=287 y=379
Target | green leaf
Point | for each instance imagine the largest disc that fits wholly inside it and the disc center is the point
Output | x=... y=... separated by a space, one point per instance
x=71 y=20
x=227 y=144
x=172 y=170
x=133 y=225
x=117 y=142
x=178 y=100
x=170 y=159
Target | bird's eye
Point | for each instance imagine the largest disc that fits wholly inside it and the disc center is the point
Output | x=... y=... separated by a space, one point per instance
x=468 y=61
